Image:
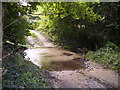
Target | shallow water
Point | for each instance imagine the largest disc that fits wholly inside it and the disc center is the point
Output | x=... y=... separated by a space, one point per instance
x=69 y=67
x=51 y=58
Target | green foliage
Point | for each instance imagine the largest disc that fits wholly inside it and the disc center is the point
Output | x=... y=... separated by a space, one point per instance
x=33 y=34
x=107 y=55
x=110 y=12
x=78 y=24
x=15 y=24
x=20 y=72
x=113 y=31
x=35 y=38
x=17 y=31
x=69 y=23
x=23 y=74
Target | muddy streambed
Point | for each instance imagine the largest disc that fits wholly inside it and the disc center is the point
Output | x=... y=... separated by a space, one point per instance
x=55 y=59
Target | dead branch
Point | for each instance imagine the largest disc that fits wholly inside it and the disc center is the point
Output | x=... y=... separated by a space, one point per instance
x=8 y=54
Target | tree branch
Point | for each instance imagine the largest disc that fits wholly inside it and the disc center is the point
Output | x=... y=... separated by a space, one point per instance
x=47 y=14
x=8 y=54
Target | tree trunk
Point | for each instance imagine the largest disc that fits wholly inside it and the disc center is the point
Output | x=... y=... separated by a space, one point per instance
x=1 y=35
x=1 y=31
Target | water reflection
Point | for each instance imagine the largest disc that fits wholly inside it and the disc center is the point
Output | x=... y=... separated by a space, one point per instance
x=51 y=58
x=55 y=59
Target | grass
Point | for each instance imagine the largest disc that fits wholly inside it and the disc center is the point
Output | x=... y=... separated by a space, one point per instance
x=108 y=55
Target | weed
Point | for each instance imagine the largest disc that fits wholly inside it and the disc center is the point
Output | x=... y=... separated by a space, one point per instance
x=107 y=55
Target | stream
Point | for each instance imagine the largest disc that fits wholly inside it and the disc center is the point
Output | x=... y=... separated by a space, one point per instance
x=68 y=69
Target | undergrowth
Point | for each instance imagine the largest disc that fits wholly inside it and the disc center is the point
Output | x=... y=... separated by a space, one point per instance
x=23 y=73
x=108 y=55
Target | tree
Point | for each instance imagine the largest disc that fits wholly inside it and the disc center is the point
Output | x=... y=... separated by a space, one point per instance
x=15 y=23
x=70 y=22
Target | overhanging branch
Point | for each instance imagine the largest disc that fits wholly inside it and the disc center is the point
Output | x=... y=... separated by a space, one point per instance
x=47 y=14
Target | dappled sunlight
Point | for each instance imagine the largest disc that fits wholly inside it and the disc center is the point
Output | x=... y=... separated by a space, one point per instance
x=60 y=44
x=66 y=65
x=45 y=42
x=33 y=55
x=56 y=58
x=51 y=58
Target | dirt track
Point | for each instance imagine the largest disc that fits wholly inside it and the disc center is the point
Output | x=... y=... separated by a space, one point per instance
x=92 y=76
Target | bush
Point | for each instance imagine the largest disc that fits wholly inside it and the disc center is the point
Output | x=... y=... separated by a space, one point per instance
x=23 y=73
x=107 y=55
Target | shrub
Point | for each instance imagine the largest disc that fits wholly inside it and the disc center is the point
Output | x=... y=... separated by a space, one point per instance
x=107 y=55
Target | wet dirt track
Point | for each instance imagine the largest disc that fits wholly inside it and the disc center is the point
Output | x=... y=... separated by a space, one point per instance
x=69 y=70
